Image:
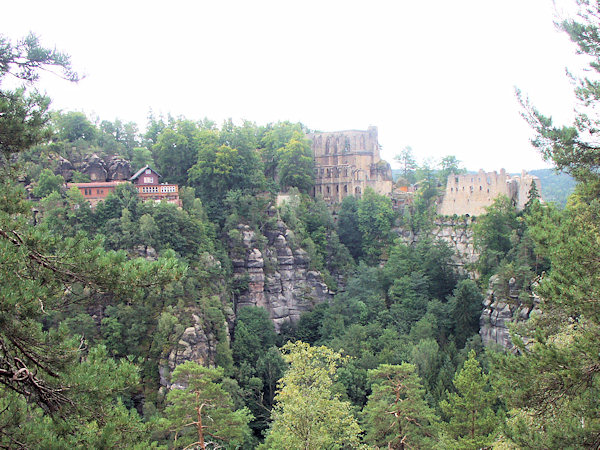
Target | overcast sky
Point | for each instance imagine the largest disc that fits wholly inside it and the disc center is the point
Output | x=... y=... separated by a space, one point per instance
x=437 y=75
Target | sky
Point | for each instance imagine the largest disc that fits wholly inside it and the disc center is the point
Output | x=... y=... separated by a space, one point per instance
x=435 y=75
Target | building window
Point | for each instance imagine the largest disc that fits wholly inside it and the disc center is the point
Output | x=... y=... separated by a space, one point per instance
x=328 y=190
x=148 y=180
x=148 y=171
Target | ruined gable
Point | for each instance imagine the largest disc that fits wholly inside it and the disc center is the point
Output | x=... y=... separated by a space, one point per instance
x=347 y=162
x=470 y=194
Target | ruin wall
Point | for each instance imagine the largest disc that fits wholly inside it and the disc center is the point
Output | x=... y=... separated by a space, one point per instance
x=347 y=162
x=470 y=194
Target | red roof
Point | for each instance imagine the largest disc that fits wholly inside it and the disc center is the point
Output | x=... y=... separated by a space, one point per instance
x=97 y=184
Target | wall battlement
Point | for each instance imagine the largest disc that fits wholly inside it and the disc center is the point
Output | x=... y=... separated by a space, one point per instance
x=470 y=194
x=347 y=162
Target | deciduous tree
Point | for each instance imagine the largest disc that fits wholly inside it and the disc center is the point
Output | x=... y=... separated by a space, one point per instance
x=307 y=413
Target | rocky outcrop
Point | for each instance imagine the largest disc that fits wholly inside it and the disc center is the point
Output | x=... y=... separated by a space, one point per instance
x=503 y=307
x=94 y=167
x=458 y=234
x=64 y=168
x=118 y=168
x=277 y=277
x=193 y=345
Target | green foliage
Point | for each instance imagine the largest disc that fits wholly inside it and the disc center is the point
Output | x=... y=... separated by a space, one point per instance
x=375 y=221
x=559 y=352
x=449 y=165
x=307 y=413
x=296 y=165
x=465 y=309
x=141 y=157
x=48 y=183
x=408 y=165
x=471 y=420
x=74 y=126
x=201 y=412
x=556 y=186
x=347 y=227
x=95 y=418
x=396 y=414
x=492 y=233
x=275 y=138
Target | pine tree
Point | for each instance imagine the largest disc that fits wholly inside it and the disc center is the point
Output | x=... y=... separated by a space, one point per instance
x=552 y=385
x=472 y=421
x=397 y=415
x=200 y=412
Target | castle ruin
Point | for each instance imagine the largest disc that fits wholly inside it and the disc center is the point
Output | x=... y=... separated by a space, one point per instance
x=347 y=162
x=470 y=194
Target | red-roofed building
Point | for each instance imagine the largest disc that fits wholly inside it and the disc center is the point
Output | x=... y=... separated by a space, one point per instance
x=96 y=191
x=145 y=181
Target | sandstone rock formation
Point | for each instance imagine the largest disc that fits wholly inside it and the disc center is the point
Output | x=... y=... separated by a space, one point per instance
x=94 y=167
x=503 y=307
x=118 y=169
x=278 y=277
x=64 y=168
x=193 y=345
x=458 y=234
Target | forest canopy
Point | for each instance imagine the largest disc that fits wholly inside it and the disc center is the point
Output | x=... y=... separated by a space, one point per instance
x=139 y=324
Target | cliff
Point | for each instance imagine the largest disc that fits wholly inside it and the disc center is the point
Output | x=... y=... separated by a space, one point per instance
x=457 y=233
x=504 y=305
x=272 y=274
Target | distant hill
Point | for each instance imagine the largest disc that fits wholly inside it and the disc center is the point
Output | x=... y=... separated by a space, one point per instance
x=556 y=187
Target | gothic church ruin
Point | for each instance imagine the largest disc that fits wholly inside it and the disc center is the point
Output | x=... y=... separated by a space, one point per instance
x=347 y=162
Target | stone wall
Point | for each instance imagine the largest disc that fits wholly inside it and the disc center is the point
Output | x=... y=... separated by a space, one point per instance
x=470 y=194
x=347 y=162
x=278 y=276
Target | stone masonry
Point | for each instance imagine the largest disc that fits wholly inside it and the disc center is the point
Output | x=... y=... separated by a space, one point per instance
x=470 y=194
x=347 y=162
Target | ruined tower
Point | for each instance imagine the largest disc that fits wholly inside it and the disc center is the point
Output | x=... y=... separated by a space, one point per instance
x=347 y=162
x=472 y=193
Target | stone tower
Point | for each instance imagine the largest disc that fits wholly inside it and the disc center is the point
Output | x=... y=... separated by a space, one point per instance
x=347 y=162
x=472 y=193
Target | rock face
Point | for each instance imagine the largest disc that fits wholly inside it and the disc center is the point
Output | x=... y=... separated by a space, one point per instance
x=194 y=345
x=501 y=308
x=278 y=278
x=118 y=169
x=458 y=234
x=94 y=167
x=64 y=168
